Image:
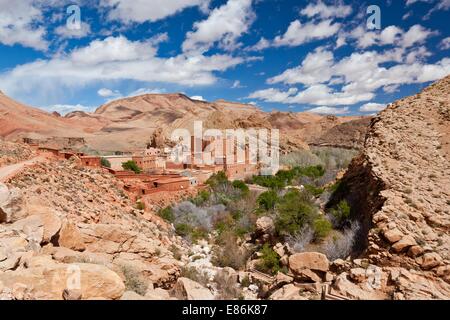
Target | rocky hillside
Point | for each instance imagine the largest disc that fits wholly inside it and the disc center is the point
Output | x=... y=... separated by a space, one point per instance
x=11 y=153
x=58 y=213
x=400 y=190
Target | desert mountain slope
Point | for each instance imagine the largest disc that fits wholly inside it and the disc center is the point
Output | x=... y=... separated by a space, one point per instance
x=128 y=124
x=402 y=185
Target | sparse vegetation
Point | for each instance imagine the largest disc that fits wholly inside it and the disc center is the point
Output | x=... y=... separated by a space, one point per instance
x=132 y=166
x=270 y=261
x=134 y=281
x=340 y=214
x=105 y=162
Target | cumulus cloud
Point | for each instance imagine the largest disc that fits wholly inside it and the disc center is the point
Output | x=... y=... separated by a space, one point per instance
x=445 y=44
x=224 y=26
x=141 y=11
x=357 y=76
x=21 y=23
x=64 y=32
x=104 y=92
x=114 y=58
x=329 y=110
x=391 y=35
x=324 y=11
x=372 y=107
x=298 y=33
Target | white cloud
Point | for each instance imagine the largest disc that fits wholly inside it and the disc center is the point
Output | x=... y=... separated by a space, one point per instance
x=65 y=32
x=143 y=10
x=20 y=24
x=391 y=35
x=224 y=26
x=237 y=85
x=445 y=44
x=114 y=58
x=359 y=76
x=262 y=44
x=329 y=110
x=298 y=33
x=324 y=11
x=104 y=92
x=372 y=107
x=198 y=98
x=316 y=68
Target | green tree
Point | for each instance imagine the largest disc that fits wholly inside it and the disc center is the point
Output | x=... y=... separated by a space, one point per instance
x=267 y=200
x=322 y=228
x=105 y=162
x=270 y=261
x=294 y=210
x=238 y=184
x=341 y=213
x=132 y=166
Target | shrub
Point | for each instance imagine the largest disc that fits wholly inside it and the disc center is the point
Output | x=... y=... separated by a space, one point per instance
x=301 y=239
x=271 y=182
x=312 y=172
x=183 y=229
x=322 y=228
x=228 y=289
x=217 y=179
x=238 y=184
x=315 y=191
x=267 y=200
x=195 y=275
x=105 y=162
x=140 y=205
x=341 y=213
x=202 y=197
x=270 y=261
x=229 y=253
x=340 y=247
x=176 y=252
x=167 y=214
x=294 y=210
x=132 y=166
x=134 y=281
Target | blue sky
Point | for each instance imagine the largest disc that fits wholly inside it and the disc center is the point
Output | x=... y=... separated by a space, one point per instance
x=288 y=55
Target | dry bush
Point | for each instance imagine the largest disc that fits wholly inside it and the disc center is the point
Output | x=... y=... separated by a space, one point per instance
x=134 y=281
x=299 y=241
x=228 y=289
x=195 y=275
x=342 y=246
x=228 y=253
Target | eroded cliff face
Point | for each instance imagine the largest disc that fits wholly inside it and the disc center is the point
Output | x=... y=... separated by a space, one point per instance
x=399 y=189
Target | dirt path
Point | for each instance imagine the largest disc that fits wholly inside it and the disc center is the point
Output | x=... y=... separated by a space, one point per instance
x=10 y=171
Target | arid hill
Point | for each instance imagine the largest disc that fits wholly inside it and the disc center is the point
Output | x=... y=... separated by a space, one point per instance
x=400 y=190
x=129 y=123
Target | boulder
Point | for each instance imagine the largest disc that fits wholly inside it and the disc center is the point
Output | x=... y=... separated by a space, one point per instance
x=131 y=295
x=157 y=294
x=430 y=260
x=187 y=289
x=393 y=235
x=288 y=292
x=12 y=207
x=308 y=260
x=265 y=225
x=404 y=243
x=52 y=225
x=49 y=281
x=70 y=237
